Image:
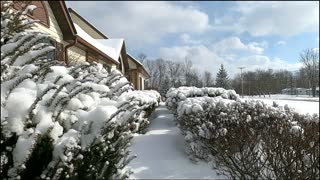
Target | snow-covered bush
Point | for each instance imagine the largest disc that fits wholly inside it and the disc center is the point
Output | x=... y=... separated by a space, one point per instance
x=150 y=99
x=249 y=139
x=62 y=122
x=175 y=95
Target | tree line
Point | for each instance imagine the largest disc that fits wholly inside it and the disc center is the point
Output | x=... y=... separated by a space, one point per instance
x=167 y=73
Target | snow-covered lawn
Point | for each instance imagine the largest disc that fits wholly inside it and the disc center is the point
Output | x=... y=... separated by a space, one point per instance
x=301 y=104
x=161 y=152
x=286 y=97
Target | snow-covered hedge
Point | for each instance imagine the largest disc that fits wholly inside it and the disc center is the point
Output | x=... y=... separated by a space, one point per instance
x=84 y=113
x=62 y=122
x=249 y=139
x=150 y=98
x=176 y=95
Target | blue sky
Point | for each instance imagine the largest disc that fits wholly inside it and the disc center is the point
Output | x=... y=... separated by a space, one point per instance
x=234 y=33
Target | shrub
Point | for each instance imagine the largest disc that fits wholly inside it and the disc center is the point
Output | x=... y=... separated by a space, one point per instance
x=249 y=139
x=62 y=122
x=176 y=95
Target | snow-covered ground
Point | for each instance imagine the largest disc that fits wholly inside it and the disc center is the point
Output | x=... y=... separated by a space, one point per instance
x=301 y=104
x=161 y=153
x=286 y=97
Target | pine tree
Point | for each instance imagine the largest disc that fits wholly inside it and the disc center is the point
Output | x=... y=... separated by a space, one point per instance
x=41 y=134
x=20 y=44
x=222 y=78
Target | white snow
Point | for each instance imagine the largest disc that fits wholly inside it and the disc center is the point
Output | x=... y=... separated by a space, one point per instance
x=302 y=105
x=57 y=131
x=68 y=140
x=22 y=149
x=111 y=47
x=296 y=130
x=286 y=97
x=161 y=152
x=116 y=44
x=17 y=106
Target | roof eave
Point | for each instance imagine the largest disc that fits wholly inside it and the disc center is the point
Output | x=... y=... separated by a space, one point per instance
x=64 y=20
x=87 y=44
x=140 y=64
x=85 y=21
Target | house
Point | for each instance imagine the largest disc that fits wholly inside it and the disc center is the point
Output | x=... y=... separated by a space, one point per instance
x=115 y=48
x=309 y=91
x=137 y=74
x=92 y=45
x=77 y=41
x=295 y=91
x=53 y=18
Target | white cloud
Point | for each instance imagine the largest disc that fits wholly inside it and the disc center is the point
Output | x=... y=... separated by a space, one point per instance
x=280 y=18
x=205 y=58
x=264 y=62
x=234 y=43
x=186 y=39
x=201 y=57
x=142 y=22
x=281 y=43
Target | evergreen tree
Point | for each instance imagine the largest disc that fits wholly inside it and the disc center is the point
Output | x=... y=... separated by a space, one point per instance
x=43 y=134
x=20 y=44
x=222 y=78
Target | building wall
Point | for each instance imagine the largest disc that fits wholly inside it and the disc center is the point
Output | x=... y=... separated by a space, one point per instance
x=132 y=65
x=85 y=27
x=54 y=29
x=133 y=78
x=136 y=75
x=141 y=87
x=113 y=67
x=76 y=55
x=122 y=64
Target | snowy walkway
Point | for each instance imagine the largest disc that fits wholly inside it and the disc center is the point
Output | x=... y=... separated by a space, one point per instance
x=161 y=152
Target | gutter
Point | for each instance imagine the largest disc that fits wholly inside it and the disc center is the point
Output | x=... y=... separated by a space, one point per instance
x=66 y=58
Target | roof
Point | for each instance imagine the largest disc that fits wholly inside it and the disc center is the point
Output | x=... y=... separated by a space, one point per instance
x=115 y=44
x=139 y=63
x=85 y=21
x=110 y=47
x=64 y=20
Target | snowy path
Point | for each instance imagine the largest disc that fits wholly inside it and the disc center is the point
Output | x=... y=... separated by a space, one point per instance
x=161 y=152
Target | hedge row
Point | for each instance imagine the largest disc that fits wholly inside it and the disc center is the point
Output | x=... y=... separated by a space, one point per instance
x=249 y=139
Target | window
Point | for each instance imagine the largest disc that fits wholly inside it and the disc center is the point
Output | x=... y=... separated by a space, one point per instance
x=57 y=53
x=120 y=64
x=39 y=13
x=107 y=67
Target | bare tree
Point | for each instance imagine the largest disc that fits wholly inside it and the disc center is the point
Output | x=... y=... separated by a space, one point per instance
x=310 y=60
x=175 y=72
x=161 y=67
x=142 y=57
x=208 y=79
x=187 y=71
